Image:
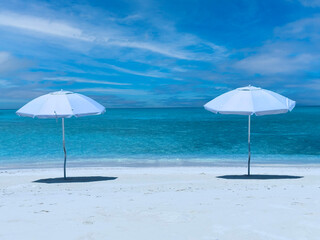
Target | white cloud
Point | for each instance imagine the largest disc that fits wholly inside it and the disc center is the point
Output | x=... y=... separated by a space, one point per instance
x=275 y=63
x=9 y=63
x=174 y=49
x=42 y=25
x=154 y=74
x=301 y=29
x=310 y=3
x=162 y=49
x=313 y=84
x=294 y=49
x=127 y=19
x=5 y=83
x=168 y=42
x=84 y=80
x=4 y=57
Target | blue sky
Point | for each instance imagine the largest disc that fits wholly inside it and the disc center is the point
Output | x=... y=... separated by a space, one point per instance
x=158 y=53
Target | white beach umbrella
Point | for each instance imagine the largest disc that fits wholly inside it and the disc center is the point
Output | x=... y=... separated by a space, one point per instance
x=61 y=104
x=249 y=101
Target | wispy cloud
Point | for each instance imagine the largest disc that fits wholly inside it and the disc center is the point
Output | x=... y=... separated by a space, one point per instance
x=312 y=84
x=149 y=46
x=170 y=43
x=286 y=53
x=153 y=74
x=276 y=62
x=310 y=3
x=177 y=50
x=43 y=25
x=83 y=80
x=306 y=28
x=133 y=52
x=5 y=83
x=9 y=63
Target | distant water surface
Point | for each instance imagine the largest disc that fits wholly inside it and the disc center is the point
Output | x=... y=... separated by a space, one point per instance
x=173 y=136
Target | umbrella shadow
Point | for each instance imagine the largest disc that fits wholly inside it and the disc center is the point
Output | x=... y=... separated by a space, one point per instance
x=259 y=177
x=75 y=179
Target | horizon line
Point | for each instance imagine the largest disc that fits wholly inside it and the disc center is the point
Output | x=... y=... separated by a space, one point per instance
x=156 y=107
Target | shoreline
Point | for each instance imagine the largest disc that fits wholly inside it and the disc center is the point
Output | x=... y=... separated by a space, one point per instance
x=80 y=165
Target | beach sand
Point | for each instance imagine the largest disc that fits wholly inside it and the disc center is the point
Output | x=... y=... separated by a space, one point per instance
x=161 y=203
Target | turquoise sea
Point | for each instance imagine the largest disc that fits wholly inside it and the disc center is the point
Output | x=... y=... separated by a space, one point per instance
x=160 y=137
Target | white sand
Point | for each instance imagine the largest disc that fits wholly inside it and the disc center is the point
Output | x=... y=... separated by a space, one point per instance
x=161 y=203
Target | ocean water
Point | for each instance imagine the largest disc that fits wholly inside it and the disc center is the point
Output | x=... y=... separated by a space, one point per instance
x=173 y=136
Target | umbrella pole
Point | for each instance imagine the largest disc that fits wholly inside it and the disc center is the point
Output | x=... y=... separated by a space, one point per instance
x=249 y=152
x=65 y=152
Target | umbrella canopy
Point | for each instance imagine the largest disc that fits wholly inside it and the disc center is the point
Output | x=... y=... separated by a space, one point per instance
x=61 y=104
x=249 y=101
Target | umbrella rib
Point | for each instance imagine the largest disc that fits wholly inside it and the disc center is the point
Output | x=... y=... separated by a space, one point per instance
x=67 y=100
x=91 y=103
x=40 y=109
x=229 y=100
x=285 y=106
